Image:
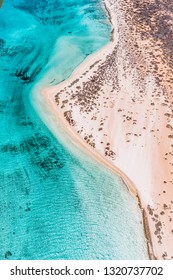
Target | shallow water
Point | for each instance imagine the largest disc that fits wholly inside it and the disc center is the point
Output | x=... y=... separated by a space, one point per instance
x=53 y=204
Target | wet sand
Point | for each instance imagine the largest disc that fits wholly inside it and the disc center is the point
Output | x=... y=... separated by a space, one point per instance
x=118 y=106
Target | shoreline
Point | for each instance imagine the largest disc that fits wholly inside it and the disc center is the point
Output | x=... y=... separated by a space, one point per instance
x=78 y=143
x=54 y=97
x=45 y=95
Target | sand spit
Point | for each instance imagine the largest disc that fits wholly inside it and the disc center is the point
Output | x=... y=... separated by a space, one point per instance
x=119 y=104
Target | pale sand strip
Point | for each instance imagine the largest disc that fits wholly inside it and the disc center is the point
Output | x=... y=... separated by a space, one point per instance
x=130 y=134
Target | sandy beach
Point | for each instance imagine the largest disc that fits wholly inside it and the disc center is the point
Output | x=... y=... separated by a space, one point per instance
x=117 y=107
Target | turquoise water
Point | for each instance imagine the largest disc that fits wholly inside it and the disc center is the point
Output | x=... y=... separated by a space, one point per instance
x=53 y=205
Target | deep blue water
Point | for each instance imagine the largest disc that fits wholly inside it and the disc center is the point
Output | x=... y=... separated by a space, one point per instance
x=53 y=205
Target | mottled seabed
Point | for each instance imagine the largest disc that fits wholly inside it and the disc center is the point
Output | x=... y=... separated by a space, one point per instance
x=53 y=205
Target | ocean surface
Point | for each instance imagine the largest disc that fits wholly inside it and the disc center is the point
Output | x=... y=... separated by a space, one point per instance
x=54 y=204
